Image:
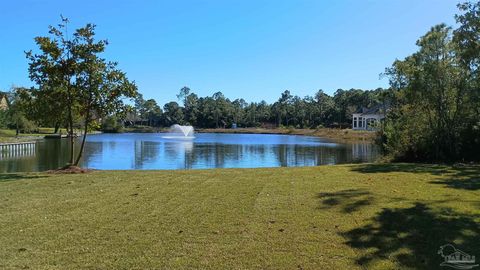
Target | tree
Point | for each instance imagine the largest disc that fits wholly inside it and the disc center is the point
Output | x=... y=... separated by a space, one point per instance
x=70 y=69
x=281 y=107
x=238 y=111
x=20 y=110
x=140 y=108
x=434 y=117
x=182 y=96
x=220 y=109
x=467 y=41
x=54 y=70
x=191 y=109
x=153 y=112
x=173 y=113
x=324 y=105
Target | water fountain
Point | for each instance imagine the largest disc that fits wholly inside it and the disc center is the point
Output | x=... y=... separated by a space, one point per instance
x=180 y=132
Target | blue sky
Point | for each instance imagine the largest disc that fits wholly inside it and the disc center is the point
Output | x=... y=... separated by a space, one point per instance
x=251 y=49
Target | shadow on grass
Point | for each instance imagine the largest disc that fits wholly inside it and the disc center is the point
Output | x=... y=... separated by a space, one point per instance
x=412 y=236
x=349 y=200
x=402 y=167
x=465 y=177
x=6 y=177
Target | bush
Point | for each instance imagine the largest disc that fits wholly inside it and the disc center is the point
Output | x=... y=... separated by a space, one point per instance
x=112 y=125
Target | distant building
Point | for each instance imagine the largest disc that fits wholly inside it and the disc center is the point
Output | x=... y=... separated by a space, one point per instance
x=368 y=119
x=3 y=102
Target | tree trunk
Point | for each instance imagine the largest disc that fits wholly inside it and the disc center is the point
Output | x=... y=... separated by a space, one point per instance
x=85 y=130
x=57 y=127
x=72 y=139
x=70 y=131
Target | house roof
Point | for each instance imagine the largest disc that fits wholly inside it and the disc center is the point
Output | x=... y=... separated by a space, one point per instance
x=378 y=109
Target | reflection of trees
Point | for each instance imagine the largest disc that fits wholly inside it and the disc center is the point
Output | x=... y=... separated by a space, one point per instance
x=301 y=155
x=307 y=155
x=54 y=153
x=48 y=154
x=180 y=151
x=211 y=155
x=145 y=151
x=91 y=149
x=364 y=152
x=225 y=155
x=111 y=152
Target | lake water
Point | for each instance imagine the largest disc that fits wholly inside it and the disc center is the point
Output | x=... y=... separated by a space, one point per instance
x=135 y=151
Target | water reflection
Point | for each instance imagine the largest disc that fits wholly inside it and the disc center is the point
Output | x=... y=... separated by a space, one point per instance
x=151 y=151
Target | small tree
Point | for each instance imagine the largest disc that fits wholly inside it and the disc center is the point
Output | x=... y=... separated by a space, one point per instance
x=70 y=70
x=20 y=110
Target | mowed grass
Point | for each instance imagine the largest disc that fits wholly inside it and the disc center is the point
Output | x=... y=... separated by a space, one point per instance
x=10 y=135
x=371 y=216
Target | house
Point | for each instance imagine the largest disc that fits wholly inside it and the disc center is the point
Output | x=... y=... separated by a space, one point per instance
x=3 y=102
x=368 y=119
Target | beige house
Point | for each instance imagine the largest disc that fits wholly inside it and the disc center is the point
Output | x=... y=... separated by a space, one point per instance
x=368 y=119
x=3 y=102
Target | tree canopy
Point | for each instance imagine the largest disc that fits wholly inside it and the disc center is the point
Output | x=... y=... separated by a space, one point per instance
x=436 y=112
x=74 y=82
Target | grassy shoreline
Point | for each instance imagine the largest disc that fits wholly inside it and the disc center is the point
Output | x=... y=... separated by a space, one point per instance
x=9 y=136
x=340 y=135
x=366 y=216
x=343 y=135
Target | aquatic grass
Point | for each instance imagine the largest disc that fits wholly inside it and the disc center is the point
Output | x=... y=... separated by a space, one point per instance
x=372 y=216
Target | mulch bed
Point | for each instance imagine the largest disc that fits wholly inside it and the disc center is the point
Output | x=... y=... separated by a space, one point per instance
x=70 y=170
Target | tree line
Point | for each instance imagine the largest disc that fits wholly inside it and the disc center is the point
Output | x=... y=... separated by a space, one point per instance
x=433 y=98
x=218 y=111
x=435 y=113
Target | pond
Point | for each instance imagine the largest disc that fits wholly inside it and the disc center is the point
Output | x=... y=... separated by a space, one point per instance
x=136 y=151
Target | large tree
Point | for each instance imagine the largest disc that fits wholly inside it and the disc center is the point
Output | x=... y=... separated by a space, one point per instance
x=173 y=113
x=85 y=85
x=434 y=117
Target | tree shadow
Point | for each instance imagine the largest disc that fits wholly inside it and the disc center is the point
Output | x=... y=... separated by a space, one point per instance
x=350 y=200
x=467 y=178
x=412 y=236
x=6 y=177
x=458 y=176
x=402 y=167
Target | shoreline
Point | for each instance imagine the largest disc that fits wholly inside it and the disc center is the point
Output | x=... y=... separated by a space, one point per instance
x=338 y=135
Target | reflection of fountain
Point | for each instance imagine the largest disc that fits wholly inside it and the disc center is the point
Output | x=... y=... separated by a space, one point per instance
x=179 y=153
x=179 y=147
x=180 y=132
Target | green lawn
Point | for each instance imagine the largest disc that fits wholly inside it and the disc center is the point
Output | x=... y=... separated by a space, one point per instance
x=9 y=136
x=373 y=216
